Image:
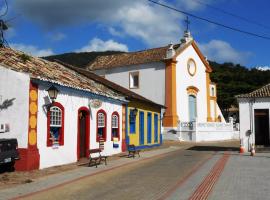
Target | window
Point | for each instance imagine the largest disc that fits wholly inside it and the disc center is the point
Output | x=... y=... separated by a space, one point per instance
x=132 y=122
x=212 y=91
x=101 y=125
x=115 y=125
x=192 y=108
x=134 y=80
x=156 y=127
x=55 y=125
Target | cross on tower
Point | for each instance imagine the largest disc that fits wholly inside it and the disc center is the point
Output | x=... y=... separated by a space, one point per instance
x=187 y=23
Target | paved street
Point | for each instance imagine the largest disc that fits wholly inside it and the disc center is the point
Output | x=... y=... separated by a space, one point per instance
x=198 y=172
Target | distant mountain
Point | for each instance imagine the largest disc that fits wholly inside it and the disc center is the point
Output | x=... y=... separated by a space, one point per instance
x=231 y=79
x=80 y=59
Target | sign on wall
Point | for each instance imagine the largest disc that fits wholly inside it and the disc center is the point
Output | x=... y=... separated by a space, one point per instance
x=95 y=103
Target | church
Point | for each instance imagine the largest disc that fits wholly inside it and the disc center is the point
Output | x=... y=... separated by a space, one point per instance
x=176 y=75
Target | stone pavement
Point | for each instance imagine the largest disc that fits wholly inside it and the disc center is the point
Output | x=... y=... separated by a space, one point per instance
x=244 y=178
x=52 y=181
x=200 y=172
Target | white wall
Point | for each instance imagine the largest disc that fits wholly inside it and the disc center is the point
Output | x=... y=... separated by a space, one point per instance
x=151 y=79
x=72 y=100
x=15 y=85
x=246 y=117
x=184 y=80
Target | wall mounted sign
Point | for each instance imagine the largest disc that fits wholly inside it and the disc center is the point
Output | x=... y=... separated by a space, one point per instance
x=95 y=103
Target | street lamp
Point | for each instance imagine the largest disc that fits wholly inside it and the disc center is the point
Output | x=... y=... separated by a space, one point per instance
x=53 y=92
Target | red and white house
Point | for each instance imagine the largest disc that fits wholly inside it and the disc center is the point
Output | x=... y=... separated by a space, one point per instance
x=56 y=131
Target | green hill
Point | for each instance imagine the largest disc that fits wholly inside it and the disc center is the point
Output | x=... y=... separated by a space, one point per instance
x=80 y=59
x=234 y=79
x=231 y=79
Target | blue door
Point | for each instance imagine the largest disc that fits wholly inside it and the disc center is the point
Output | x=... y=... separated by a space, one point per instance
x=156 y=127
x=141 y=125
x=149 y=127
x=192 y=108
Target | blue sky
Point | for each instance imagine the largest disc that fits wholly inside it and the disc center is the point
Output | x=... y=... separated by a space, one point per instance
x=46 y=27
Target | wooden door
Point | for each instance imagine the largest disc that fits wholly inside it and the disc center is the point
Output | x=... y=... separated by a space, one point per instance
x=261 y=118
x=141 y=127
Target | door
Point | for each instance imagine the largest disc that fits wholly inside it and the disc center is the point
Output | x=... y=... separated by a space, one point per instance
x=261 y=118
x=149 y=127
x=192 y=107
x=83 y=133
x=141 y=127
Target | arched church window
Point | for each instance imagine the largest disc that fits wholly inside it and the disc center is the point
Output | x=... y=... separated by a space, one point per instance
x=192 y=102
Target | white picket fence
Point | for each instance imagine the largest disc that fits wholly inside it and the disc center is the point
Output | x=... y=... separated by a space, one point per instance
x=208 y=131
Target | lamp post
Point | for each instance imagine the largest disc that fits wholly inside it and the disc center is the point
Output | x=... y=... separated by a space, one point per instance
x=53 y=92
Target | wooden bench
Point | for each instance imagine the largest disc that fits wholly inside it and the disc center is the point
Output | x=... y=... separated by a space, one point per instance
x=96 y=157
x=132 y=151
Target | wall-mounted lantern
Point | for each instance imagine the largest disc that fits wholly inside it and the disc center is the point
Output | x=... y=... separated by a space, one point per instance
x=53 y=92
x=135 y=112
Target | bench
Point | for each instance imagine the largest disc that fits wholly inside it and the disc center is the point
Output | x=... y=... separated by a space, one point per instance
x=96 y=157
x=132 y=151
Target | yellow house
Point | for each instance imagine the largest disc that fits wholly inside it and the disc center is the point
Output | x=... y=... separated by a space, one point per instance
x=143 y=125
x=141 y=117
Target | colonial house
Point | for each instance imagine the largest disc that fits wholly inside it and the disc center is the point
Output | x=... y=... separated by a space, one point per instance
x=177 y=76
x=58 y=114
x=141 y=117
x=254 y=110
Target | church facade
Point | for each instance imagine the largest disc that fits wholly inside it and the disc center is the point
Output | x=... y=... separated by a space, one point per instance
x=177 y=76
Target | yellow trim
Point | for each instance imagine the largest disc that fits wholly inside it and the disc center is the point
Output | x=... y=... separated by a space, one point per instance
x=170 y=117
x=192 y=90
x=209 y=118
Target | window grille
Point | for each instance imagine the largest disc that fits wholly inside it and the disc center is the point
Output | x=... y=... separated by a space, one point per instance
x=55 y=117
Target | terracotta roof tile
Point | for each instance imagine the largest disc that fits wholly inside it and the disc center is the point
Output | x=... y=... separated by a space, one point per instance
x=129 y=94
x=53 y=72
x=261 y=92
x=131 y=58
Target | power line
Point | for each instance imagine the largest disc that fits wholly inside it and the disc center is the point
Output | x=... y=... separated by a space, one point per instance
x=6 y=11
x=232 y=14
x=210 y=21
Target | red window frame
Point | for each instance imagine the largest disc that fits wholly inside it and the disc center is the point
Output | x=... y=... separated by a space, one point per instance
x=62 y=132
x=118 y=134
x=105 y=125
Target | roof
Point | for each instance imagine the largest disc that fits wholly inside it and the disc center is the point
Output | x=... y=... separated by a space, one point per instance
x=145 y=56
x=259 y=93
x=129 y=94
x=130 y=58
x=53 y=72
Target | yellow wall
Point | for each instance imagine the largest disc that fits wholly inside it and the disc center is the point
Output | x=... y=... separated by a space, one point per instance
x=134 y=138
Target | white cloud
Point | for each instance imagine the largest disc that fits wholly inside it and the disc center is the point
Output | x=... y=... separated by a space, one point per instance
x=150 y=23
x=33 y=50
x=58 y=36
x=263 y=68
x=97 y=44
x=221 y=51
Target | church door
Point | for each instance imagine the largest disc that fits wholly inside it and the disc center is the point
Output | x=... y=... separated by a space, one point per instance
x=192 y=102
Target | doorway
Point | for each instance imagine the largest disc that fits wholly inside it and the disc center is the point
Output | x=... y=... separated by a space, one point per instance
x=141 y=127
x=83 y=133
x=261 y=118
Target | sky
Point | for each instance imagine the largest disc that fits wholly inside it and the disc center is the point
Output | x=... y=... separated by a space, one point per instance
x=48 y=27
